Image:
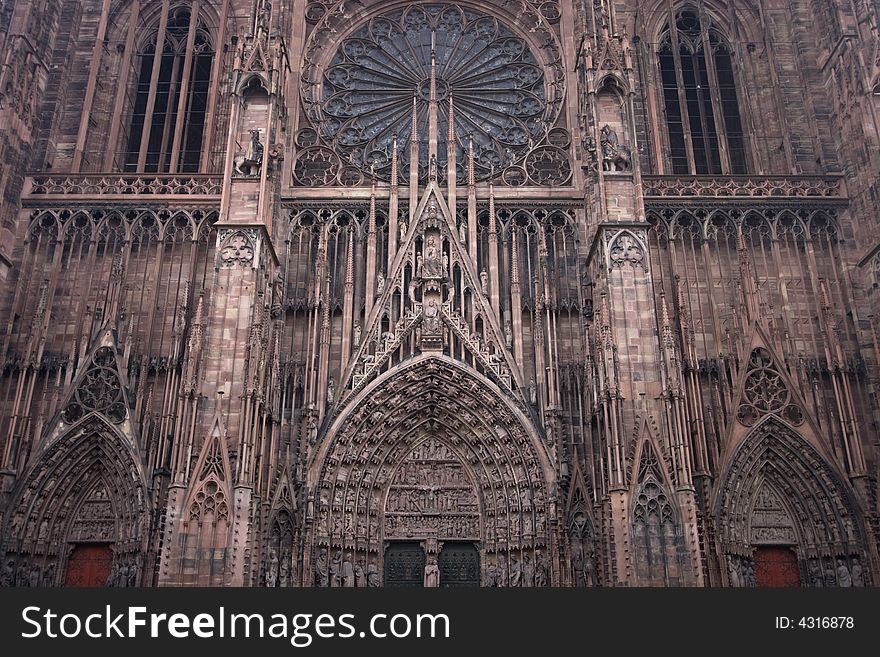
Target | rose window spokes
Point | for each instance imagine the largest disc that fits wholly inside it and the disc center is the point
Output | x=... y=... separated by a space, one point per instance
x=765 y=391
x=377 y=73
x=99 y=391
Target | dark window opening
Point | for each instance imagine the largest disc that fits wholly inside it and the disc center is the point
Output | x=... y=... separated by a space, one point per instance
x=171 y=98
x=704 y=129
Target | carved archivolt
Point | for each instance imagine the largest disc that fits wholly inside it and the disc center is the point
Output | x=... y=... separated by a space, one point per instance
x=86 y=486
x=431 y=450
x=818 y=515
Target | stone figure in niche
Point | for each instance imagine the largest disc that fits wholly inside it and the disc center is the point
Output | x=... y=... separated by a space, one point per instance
x=248 y=162
x=34 y=577
x=858 y=577
x=615 y=156
x=21 y=575
x=331 y=390
x=360 y=577
x=493 y=577
x=533 y=392
x=432 y=316
x=113 y=577
x=462 y=232
x=432 y=263
x=528 y=570
x=432 y=573
x=402 y=230
x=735 y=575
x=336 y=569
x=132 y=575
x=347 y=572
x=320 y=568
x=49 y=575
x=515 y=571
x=484 y=281
x=508 y=334
x=7 y=577
x=843 y=577
x=357 y=333
x=542 y=569
x=372 y=575
x=272 y=570
x=380 y=284
x=284 y=569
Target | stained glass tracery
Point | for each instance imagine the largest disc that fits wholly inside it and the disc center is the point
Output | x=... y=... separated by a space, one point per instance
x=496 y=84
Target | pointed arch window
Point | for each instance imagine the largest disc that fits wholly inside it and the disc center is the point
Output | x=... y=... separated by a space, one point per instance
x=703 y=123
x=170 y=102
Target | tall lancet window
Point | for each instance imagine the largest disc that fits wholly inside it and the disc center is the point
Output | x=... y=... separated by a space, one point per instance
x=703 y=122
x=170 y=100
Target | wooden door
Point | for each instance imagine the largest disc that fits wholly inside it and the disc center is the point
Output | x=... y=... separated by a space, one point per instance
x=776 y=567
x=88 y=566
x=404 y=565
x=459 y=565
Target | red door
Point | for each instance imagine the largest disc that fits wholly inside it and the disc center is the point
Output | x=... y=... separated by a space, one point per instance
x=89 y=565
x=776 y=567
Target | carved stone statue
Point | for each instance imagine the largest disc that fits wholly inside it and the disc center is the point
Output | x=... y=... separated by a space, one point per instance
x=858 y=577
x=360 y=577
x=844 y=579
x=492 y=575
x=403 y=228
x=331 y=390
x=432 y=263
x=615 y=156
x=432 y=573
x=462 y=232
x=515 y=571
x=7 y=577
x=484 y=281
x=320 y=568
x=735 y=575
x=542 y=569
x=272 y=570
x=49 y=575
x=373 y=576
x=336 y=569
x=528 y=570
x=380 y=284
x=508 y=334
x=248 y=162
x=357 y=333
x=432 y=317
x=347 y=571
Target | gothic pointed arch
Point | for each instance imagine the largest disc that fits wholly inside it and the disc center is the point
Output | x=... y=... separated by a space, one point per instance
x=207 y=512
x=659 y=550
x=581 y=533
x=779 y=492
x=86 y=490
x=431 y=452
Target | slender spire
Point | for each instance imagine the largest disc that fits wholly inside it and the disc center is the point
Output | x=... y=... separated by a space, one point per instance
x=493 y=228
x=432 y=102
x=394 y=160
x=414 y=130
x=472 y=180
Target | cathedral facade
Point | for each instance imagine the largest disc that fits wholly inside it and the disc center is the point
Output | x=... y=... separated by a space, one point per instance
x=360 y=293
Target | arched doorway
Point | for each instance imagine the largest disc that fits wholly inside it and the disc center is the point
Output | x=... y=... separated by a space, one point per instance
x=785 y=517
x=431 y=452
x=77 y=517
